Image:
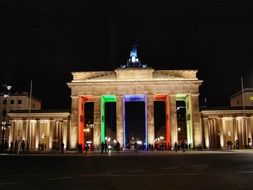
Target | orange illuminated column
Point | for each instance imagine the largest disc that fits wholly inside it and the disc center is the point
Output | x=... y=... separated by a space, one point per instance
x=165 y=98
x=82 y=101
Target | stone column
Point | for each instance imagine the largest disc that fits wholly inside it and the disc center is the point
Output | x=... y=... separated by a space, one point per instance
x=206 y=132
x=73 y=131
x=65 y=132
x=97 y=123
x=29 y=132
x=51 y=133
x=150 y=119
x=189 y=120
x=239 y=130
x=37 y=132
x=33 y=135
x=242 y=132
x=235 y=133
x=119 y=116
x=245 y=126
x=20 y=130
x=173 y=119
x=220 y=131
x=11 y=131
x=216 y=131
x=24 y=130
x=249 y=137
x=197 y=130
x=251 y=129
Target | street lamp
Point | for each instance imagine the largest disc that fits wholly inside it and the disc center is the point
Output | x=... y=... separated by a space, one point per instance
x=5 y=124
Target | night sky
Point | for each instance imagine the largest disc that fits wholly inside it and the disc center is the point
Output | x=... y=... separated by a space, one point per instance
x=44 y=41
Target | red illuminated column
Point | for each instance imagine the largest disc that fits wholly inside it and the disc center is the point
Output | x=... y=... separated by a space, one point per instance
x=167 y=113
x=81 y=121
x=82 y=101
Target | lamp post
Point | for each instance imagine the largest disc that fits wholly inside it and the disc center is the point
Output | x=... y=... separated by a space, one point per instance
x=5 y=125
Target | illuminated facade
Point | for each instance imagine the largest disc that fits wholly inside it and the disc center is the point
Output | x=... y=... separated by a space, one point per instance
x=221 y=126
x=48 y=128
x=133 y=84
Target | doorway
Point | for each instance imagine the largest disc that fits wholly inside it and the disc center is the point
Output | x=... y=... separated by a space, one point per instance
x=160 y=125
x=135 y=120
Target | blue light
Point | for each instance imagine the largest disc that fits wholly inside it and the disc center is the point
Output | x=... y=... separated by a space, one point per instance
x=133 y=52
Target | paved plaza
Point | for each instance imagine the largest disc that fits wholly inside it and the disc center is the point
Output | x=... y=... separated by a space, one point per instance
x=222 y=169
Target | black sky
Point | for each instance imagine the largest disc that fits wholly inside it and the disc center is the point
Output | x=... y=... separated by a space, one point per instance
x=44 y=41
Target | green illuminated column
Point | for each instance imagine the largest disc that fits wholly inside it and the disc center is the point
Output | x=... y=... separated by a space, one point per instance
x=104 y=99
x=188 y=105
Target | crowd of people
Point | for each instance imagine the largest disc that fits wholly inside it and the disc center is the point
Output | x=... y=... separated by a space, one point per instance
x=182 y=146
x=21 y=147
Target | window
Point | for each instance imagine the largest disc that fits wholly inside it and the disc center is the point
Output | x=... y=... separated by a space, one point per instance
x=19 y=101
x=251 y=98
x=12 y=101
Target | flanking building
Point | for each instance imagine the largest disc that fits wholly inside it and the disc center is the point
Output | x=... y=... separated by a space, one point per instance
x=49 y=128
x=223 y=125
x=234 y=124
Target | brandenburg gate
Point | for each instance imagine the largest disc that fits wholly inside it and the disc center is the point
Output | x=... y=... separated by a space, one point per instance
x=133 y=83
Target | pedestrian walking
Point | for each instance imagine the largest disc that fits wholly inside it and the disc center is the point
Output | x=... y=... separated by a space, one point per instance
x=62 y=147
x=11 y=148
x=106 y=147
x=183 y=146
x=86 y=147
x=136 y=148
x=16 y=147
x=117 y=146
x=175 y=146
x=27 y=147
x=102 y=147
x=23 y=147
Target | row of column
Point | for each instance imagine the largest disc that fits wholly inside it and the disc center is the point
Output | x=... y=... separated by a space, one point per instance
x=219 y=130
x=51 y=133
x=171 y=118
